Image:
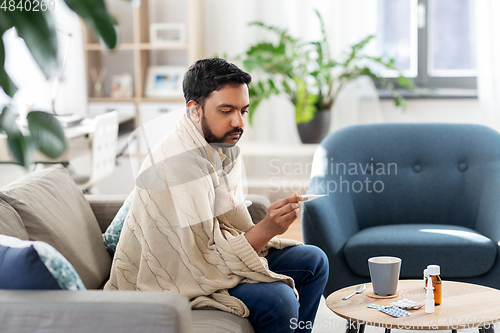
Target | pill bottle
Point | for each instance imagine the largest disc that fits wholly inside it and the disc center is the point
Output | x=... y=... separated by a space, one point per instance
x=434 y=271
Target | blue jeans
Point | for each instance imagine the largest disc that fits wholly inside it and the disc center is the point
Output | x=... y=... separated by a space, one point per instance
x=273 y=306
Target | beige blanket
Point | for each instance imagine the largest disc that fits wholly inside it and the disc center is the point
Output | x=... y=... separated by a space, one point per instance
x=185 y=230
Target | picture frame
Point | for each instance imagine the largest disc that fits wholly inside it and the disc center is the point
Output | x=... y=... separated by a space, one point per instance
x=167 y=33
x=164 y=81
x=122 y=86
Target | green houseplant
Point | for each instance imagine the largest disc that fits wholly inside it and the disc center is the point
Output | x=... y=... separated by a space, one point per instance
x=38 y=31
x=307 y=74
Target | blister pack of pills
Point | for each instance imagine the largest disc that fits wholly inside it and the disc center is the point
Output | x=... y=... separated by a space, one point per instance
x=376 y=306
x=395 y=312
x=407 y=304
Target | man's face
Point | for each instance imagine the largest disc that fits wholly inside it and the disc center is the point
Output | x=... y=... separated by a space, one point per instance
x=224 y=115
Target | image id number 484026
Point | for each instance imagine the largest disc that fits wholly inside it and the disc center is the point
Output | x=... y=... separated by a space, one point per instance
x=27 y=5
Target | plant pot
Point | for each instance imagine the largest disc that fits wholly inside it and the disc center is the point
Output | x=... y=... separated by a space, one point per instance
x=315 y=130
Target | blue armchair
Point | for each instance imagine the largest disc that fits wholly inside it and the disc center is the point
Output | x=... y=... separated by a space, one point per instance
x=427 y=193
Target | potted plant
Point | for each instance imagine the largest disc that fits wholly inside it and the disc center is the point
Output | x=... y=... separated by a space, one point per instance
x=307 y=74
x=38 y=31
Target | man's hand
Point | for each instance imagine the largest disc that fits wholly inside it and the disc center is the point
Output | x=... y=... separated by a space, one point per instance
x=280 y=215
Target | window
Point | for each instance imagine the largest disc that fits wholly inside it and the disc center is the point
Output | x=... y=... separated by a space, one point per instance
x=432 y=41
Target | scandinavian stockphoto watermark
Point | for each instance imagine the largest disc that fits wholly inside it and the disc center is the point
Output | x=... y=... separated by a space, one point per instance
x=345 y=177
x=176 y=169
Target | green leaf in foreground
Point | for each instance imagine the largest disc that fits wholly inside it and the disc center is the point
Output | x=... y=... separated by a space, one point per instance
x=20 y=146
x=47 y=133
x=8 y=121
x=5 y=82
x=96 y=16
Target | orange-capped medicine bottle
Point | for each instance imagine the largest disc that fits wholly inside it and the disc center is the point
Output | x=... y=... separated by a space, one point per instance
x=434 y=271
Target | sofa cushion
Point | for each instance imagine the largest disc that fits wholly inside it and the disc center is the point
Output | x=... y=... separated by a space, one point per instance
x=93 y=311
x=10 y=222
x=105 y=207
x=112 y=234
x=54 y=210
x=35 y=265
x=215 y=321
x=460 y=251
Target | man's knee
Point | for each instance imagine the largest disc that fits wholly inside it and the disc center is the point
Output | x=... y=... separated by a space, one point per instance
x=284 y=301
x=281 y=306
x=317 y=258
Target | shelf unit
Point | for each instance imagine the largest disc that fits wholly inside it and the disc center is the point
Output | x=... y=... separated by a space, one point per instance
x=136 y=51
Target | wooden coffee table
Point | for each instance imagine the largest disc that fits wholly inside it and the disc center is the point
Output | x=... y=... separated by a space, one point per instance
x=464 y=306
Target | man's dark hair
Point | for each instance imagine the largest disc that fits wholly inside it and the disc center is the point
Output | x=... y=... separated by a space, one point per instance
x=207 y=75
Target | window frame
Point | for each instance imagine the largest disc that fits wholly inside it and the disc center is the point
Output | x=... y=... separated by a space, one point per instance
x=423 y=78
x=463 y=86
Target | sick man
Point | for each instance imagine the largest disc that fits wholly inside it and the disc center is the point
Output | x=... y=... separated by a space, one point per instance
x=189 y=231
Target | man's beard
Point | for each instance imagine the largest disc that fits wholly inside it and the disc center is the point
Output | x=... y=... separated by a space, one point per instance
x=215 y=140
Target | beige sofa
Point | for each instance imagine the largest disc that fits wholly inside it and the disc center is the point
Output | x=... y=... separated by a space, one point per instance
x=46 y=205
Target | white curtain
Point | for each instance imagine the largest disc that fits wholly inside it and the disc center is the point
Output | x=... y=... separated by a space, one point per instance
x=488 y=59
x=358 y=103
x=347 y=22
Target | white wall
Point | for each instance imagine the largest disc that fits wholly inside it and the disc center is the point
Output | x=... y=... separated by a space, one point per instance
x=436 y=110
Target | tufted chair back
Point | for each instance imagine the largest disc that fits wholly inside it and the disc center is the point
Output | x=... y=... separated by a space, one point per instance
x=409 y=173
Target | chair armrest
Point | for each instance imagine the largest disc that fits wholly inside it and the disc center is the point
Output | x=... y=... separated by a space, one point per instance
x=328 y=223
x=488 y=215
x=258 y=208
x=105 y=207
x=59 y=311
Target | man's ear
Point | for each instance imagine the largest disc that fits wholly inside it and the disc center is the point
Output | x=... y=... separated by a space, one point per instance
x=193 y=108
